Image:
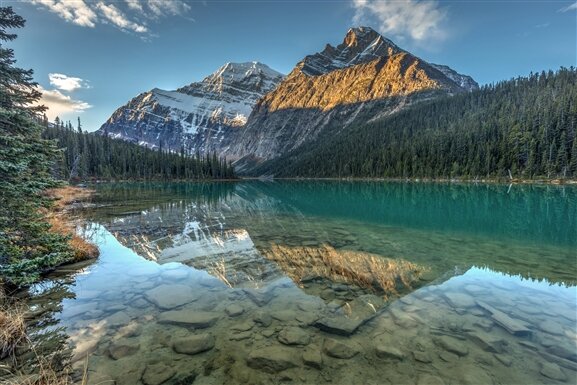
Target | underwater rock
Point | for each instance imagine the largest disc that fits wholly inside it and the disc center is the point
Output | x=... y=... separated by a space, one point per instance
x=294 y=336
x=123 y=348
x=513 y=326
x=423 y=357
x=157 y=374
x=553 y=371
x=339 y=325
x=488 y=342
x=189 y=318
x=272 y=359
x=194 y=344
x=429 y=379
x=313 y=357
x=170 y=296
x=337 y=349
x=387 y=351
x=452 y=345
x=460 y=300
x=234 y=310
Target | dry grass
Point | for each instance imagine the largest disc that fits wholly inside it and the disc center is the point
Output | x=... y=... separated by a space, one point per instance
x=12 y=326
x=378 y=274
x=63 y=223
x=13 y=334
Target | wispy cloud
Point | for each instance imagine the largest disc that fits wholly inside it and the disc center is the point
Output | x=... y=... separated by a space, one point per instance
x=128 y=15
x=419 y=20
x=77 y=12
x=570 y=7
x=116 y=17
x=66 y=83
x=59 y=104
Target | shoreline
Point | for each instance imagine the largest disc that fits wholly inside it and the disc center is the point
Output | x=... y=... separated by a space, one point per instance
x=66 y=199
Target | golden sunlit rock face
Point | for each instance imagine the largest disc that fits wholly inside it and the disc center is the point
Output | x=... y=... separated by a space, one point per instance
x=398 y=75
x=371 y=272
x=365 y=77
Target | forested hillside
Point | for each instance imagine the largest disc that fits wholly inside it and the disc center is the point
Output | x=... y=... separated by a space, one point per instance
x=89 y=156
x=525 y=126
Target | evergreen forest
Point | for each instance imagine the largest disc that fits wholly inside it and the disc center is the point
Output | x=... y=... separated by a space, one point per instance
x=522 y=128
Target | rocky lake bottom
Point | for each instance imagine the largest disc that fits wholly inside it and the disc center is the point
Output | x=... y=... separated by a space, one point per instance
x=246 y=291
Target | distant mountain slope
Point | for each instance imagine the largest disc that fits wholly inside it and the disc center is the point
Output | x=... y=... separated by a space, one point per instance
x=526 y=127
x=201 y=117
x=364 y=77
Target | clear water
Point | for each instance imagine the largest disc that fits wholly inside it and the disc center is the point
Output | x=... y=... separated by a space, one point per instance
x=256 y=282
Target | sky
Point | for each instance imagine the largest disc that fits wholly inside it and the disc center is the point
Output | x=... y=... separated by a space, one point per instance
x=92 y=56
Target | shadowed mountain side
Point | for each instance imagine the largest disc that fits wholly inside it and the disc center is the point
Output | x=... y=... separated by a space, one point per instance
x=294 y=127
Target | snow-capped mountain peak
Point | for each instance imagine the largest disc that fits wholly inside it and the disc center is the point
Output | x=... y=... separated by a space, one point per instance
x=197 y=116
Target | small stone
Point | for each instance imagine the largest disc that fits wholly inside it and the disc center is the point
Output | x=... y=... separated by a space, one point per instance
x=429 y=379
x=240 y=336
x=272 y=359
x=484 y=324
x=551 y=327
x=189 y=318
x=553 y=371
x=448 y=356
x=283 y=315
x=339 y=349
x=312 y=357
x=452 y=345
x=460 y=300
x=243 y=326
x=170 y=296
x=260 y=298
x=140 y=303
x=423 y=357
x=488 y=342
x=194 y=344
x=505 y=360
x=307 y=318
x=262 y=318
x=234 y=310
x=117 y=319
x=120 y=349
x=339 y=325
x=294 y=336
x=386 y=351
x=157 y=374
x=268 y=333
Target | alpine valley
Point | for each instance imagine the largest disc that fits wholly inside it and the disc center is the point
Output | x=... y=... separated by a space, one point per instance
x=249 y=113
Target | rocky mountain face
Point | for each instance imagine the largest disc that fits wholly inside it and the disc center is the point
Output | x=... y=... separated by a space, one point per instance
x=365 y=77
x=201 y=117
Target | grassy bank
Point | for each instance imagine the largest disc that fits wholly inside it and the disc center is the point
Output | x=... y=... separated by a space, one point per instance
x=15 y=315
x=64 y=222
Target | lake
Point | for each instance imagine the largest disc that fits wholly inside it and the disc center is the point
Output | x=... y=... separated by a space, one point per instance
x=310 y=282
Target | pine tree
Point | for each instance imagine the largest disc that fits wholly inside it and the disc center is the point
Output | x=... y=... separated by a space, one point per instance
x=27 y=248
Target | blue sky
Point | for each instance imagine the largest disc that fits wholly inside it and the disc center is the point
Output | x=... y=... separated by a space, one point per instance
x=92 y=56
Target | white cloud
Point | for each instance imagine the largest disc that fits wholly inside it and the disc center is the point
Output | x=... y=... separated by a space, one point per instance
x=59 y=104
x=66 y=83
x=134 y=4
x=420 y=20
x=161 y=8
x=77 y=11
x=113 y=14
x=570 y=7
x=128 y=15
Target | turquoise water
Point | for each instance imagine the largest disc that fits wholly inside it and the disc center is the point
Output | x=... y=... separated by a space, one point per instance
x=327 y=282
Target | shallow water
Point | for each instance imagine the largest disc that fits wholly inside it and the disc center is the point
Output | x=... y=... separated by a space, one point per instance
x=265 y=282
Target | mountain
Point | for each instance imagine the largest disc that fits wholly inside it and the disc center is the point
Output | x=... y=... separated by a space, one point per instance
x=201 y=117
x=522 y=128
x=365 y=77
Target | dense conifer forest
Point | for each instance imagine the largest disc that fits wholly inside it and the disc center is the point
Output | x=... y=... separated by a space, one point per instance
x=521 y=128
x=91 y=156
